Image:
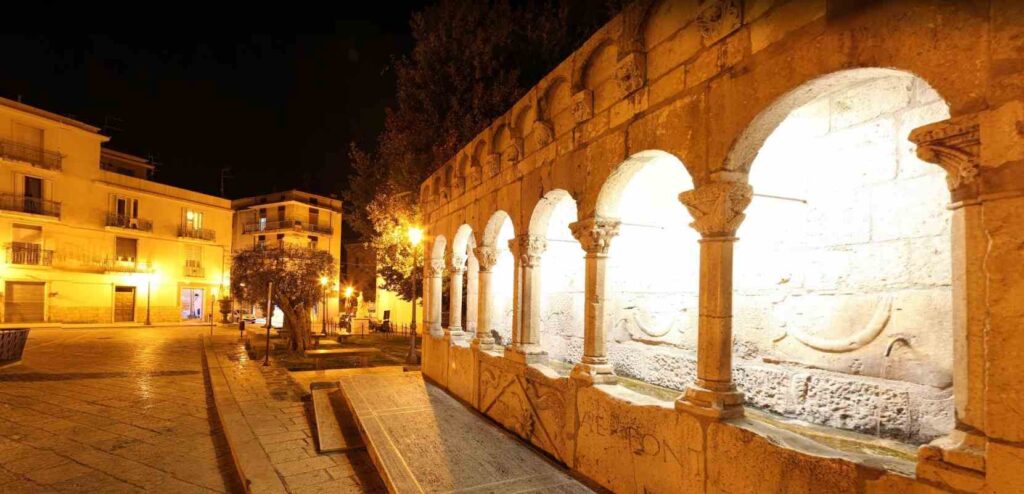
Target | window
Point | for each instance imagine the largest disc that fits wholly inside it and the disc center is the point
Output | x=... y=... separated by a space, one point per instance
x=194 y=256
x=262 y=219
x=280 y=240
x=193 y=219
x=261 y=241
x=312 y=242
x=280 y=213
x=126 y=249
x=314 y=216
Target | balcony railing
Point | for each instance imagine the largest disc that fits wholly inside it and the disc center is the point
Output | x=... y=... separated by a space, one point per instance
x=36 y=156
x=127 y=265
x=268 y=226
x=185 y=231
x=28 y=254
x=28 y=204
x=326 y=230
x=127 y=222
x=194 y=269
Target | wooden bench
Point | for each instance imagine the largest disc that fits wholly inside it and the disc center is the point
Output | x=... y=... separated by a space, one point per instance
x=363 y=354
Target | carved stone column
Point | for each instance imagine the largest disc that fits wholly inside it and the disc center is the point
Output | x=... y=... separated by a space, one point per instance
x=434 y=274
x=595 y=236
x=717 y=209
x=517 y=294
x=529 y=250
x=458 y=271
x=954 y=145
x=487 y=257
x=472 y=294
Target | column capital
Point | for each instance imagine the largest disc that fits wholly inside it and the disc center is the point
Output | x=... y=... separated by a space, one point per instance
x=953 y=144
x=530 y=248
x=595 y=234
x=435 y=268
x=486 y=257
x=717 y=208
x=457 y=263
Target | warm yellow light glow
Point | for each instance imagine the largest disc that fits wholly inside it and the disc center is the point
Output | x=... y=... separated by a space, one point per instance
x=415 y=235
x=323 y=281
x=189 y=215
x=348 y=292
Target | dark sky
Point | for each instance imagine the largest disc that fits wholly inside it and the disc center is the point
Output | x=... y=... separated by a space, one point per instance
x=276 y=95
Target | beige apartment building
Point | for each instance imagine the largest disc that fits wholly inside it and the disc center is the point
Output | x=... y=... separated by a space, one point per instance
x=89 y=238
x=292 y=218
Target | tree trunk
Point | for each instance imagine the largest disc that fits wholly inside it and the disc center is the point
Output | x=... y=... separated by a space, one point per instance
x=297 y=323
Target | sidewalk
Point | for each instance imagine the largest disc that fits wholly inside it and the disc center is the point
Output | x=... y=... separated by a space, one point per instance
x=268 y=424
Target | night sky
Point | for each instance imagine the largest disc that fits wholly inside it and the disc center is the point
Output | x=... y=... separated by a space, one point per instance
x=276 y=96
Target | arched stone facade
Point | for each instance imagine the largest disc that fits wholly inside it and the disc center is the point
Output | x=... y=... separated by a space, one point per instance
x=704 y=85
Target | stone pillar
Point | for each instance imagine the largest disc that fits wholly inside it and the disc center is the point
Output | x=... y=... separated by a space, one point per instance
x=958 y=460
x=517 y=294
x=486 y=257
x=717 y=209
x=425 y=290
x=472 y=294
x=458 y=270
x=436 y=270
x=595 y=236
x=529 y=251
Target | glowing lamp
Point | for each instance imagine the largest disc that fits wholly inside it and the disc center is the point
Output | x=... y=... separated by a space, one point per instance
x=348 y=292
x=415 y=235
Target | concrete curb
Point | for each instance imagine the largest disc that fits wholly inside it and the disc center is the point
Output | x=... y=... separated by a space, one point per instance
x=254 y=467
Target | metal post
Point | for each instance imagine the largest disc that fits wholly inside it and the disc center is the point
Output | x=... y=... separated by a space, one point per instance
x=270 y=293
x=411 y=358
x=149 y=298
x=323 y=318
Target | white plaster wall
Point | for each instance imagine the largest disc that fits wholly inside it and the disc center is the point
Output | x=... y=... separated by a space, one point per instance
x=859 y=270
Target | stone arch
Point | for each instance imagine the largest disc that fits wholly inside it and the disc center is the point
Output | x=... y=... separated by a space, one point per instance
x=439 y=247
x=464 y=173
x=844 y=256
x=586 y=57
x=662 y=19
x=493 y=227
x=555 y=104
x=608 y=198
x=461 y=239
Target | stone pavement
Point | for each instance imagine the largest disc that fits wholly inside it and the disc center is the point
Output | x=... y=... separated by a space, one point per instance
x=271 y=402
x=111 y=410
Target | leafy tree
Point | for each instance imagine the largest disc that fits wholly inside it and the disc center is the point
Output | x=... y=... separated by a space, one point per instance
x=471 y=62
x=295 y=272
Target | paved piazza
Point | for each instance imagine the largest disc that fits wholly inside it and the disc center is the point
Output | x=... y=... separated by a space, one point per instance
x=111 y=410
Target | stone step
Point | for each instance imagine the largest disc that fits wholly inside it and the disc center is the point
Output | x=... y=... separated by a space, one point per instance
x=335 y=428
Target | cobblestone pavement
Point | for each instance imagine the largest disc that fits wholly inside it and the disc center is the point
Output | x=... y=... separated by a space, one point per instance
x=111 y=410
x=272 y=404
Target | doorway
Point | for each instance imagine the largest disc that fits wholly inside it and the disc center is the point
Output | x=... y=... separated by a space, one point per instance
x=24 y=302
x=191 y=303
x=124 y=304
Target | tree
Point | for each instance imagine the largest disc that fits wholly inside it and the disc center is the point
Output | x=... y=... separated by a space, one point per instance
x=295 y=272
x=471 y=62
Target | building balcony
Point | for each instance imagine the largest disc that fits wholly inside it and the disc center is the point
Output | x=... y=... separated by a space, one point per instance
x=28 y=254
x=122 y=221
x=126 y=265
x=35 y=156
x=185 y=231
x=297 y=225
x=194 y=270
x=31 y=205
x=268 y=226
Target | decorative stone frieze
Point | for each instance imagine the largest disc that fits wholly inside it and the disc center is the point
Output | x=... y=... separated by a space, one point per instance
x=631 y=72
x=436 y=268
x=719 y=19
x=543 y=134
x=583 y=105
x=486 y=257
x=492 y=164
x=717 y=208
x=954 y=145
x=595 y=234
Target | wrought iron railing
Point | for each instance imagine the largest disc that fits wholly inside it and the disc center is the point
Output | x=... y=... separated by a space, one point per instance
x=28 y=254
x=28 y=204
x=36 y=156
x=125 y=221
x=326 y=230
x=268 y=226
x=185 y=231
x=123 y=265
x=194 y=269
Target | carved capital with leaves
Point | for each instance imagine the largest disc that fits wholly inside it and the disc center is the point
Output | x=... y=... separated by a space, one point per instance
x=457 y=263
x=595 y=234
x=530 y=248
x=486 y=257
x=954 y=145
x=435 y=269
x=717 y=208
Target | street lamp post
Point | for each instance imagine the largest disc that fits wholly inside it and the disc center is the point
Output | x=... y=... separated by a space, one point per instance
x=149 y=297
x=270 y=293
x=323 y=316
x=415 y=236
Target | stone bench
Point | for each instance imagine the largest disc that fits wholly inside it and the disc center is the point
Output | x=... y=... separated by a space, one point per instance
x=363 y=354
